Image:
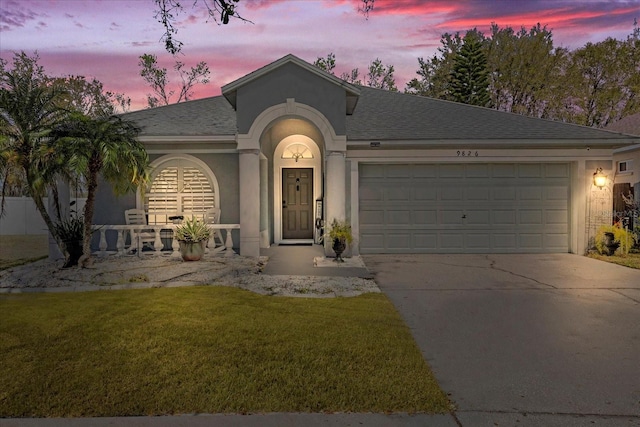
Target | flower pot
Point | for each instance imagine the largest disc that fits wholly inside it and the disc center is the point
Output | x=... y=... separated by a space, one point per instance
x=339 y=245
x=192 y=251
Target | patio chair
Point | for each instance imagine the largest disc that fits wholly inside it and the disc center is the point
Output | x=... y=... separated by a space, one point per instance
x=139 y=217
x=212 y=216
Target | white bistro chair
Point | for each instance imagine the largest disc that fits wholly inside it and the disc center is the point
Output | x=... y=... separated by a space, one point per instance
x=139 y=217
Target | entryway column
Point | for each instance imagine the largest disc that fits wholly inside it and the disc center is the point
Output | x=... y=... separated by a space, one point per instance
x=250 y=202
x=335 y=186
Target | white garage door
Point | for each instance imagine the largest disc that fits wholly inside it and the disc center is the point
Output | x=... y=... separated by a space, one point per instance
x=464 y=208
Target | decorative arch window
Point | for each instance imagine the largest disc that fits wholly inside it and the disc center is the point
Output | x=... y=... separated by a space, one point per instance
x=297 y=151
x=180 y=187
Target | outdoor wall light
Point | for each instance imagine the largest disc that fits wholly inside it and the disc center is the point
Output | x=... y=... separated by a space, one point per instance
x=599 y=179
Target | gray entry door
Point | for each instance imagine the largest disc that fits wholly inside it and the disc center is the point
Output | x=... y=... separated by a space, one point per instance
x=297 y=203
x=464 y=208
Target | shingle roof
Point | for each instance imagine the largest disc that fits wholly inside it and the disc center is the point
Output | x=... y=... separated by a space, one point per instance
x=203 y=117
x=381 y=115
x=629 y=125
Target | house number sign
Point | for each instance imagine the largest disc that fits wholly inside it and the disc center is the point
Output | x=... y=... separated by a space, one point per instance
x=467 y=153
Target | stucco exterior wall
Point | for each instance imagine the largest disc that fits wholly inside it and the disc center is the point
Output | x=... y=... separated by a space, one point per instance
x=290 y=81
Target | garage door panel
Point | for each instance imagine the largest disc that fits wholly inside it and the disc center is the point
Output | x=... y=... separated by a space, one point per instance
x=556 y=217
x=530 y=216
x=556 y=193
x=506 y=170
x=464 y=208
x=422 y=193
x=425 y=241
x=479 y=241
x=372 y=194
x=452 y=171
x=503 y=217
x=504 y=194
x=372 y=217
x=504 y=240
x=530 y=170
x=451 y=241
x=478 y=217
x=449 y=217
x=397 y=194
x=429 y=217
x=531 y=241
x=557 y=170
x=372 y=241
x=478 y=171
x=399 y=217
x=479 y=194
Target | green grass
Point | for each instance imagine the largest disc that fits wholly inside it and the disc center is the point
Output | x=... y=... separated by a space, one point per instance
x=631 y=260
x=207 y=350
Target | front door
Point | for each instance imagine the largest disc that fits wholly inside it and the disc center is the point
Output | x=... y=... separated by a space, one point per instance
x=297 y=203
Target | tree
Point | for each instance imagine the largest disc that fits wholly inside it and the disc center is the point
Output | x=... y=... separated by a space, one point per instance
x=220 y=11
x=104 y=146
x=48 y=134
x=524 y=67
x=156 y=77
x=29 y=110
x=435 y=72
x=352 y=77
x=327 y=64
x=603 y=80
x=469 y=78
x=381 y=76
x=90 y=97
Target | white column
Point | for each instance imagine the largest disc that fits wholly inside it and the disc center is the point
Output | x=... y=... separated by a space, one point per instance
x=355 y=208
x=334 y=190
x=264 y=202
x=250 y=203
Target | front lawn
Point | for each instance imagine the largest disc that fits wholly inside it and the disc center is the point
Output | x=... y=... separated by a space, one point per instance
x=630 y=260
x=207 y=350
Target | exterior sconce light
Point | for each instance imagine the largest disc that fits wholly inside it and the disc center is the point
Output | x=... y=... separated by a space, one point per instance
x=599 y=179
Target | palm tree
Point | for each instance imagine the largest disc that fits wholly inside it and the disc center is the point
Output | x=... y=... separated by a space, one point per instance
x=106 y=146
x=29 y=110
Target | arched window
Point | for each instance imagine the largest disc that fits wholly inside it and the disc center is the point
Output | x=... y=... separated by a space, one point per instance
x=180 y=186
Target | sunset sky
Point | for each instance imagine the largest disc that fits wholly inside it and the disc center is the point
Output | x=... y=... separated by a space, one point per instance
x=104 y=38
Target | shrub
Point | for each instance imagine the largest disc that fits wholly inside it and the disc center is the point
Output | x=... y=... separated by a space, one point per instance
x=192 y=230
x=620 y=235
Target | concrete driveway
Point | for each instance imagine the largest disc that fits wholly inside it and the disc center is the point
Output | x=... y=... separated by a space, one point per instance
x=524 y=339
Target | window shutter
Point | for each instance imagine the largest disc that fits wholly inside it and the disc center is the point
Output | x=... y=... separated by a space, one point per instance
x=179 y=188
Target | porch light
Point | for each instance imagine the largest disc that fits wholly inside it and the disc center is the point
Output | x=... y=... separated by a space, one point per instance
x=599 y=179
x=297 y=151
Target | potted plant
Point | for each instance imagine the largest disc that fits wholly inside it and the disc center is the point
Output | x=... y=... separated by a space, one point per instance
x=192 y=235
x=340 y=235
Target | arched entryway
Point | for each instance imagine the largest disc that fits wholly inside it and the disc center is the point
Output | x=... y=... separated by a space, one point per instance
x=261 y=186
x=297 y=184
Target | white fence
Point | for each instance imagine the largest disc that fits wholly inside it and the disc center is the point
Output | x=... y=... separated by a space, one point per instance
x=22 y=217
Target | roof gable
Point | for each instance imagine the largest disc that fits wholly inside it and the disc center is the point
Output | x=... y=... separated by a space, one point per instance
x=352 y=92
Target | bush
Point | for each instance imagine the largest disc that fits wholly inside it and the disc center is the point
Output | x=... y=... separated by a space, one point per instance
x=620 y=235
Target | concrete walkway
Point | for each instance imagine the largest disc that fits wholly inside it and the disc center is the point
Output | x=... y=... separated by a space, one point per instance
x=298 y=260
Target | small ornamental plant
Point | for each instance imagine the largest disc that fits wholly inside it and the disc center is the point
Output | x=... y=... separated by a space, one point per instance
x=340 y=230
x=192 y=230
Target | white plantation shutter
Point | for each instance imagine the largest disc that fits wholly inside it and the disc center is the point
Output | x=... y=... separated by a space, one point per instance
x=179 y=186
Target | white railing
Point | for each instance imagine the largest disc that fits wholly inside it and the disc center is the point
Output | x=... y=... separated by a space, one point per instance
x=216 y=242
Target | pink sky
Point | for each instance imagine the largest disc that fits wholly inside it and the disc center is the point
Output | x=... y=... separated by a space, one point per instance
x=104 y=38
